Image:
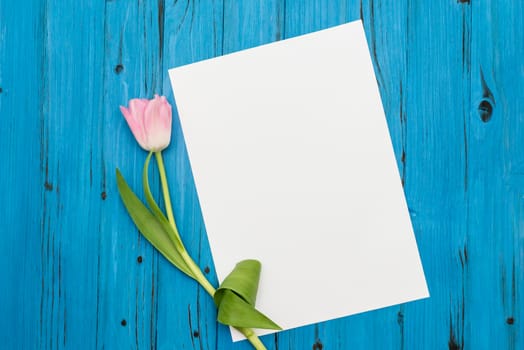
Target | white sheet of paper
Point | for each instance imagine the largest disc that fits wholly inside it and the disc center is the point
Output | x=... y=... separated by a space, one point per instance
x=294 y=166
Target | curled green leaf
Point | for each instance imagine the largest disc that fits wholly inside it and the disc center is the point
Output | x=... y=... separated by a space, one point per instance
x=236 y=297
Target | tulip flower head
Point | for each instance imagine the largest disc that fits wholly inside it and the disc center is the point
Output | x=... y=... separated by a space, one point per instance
x=150 y=122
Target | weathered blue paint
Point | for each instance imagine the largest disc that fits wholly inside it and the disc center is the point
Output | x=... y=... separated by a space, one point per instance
x=76 y=274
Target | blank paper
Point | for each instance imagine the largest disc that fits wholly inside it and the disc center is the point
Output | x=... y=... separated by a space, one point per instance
x=294 y=166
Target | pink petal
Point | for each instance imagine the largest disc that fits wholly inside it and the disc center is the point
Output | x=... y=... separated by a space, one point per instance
x=157 y=122
x=135 y=121
x=138 y=106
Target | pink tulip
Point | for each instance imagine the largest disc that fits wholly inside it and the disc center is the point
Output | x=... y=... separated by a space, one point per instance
x=150 y=122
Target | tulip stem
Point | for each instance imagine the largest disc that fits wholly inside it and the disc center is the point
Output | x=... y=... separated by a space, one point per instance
x=197 y=272
x=165 y=188
x=200 y=278
x=252 y=337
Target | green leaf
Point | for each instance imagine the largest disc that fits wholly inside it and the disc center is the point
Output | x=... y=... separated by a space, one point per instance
x=150 y=227
x=234 y=311
x=157 y=212
x=236 y=296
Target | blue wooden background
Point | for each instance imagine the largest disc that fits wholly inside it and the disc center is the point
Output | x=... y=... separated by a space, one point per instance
x=76 y=274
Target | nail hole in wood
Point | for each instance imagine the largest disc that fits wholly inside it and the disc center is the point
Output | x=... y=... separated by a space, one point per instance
x=452 y=343
x=400 y=317
x=103 y=195
x=318 y=345
x=119 y=68
x=485 y=110
x=123 y=323
x=196 y=334
x=510 y=320
x=206 y=270
x=139 y=259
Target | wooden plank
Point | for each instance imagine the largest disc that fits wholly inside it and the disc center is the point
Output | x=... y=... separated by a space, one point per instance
x=186 y=314
x=23 y=106
x=72 y=201
x=495 y=231
x=302 y=17
x=128 y=273
x=385 y=23
x=436 y=104
x=248 y=24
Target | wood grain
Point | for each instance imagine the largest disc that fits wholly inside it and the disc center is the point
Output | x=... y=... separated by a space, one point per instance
x=75 y=273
